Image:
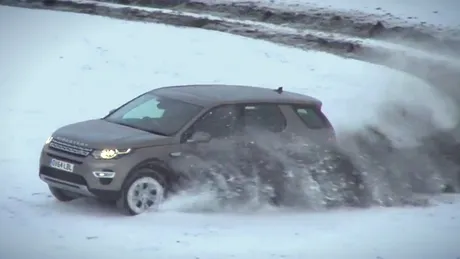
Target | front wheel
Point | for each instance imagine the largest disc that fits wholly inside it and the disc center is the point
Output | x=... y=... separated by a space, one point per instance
x=143 y=192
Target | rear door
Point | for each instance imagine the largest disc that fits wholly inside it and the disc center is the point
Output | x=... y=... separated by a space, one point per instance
x=262 y=141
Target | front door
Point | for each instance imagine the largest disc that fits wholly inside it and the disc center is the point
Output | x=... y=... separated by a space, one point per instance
x=220 y=125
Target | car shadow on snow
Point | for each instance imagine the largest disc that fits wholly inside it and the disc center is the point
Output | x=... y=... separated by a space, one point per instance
x=83 y=207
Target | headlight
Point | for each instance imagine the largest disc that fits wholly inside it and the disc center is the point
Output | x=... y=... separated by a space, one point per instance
x=110 y=153
x=48 y=140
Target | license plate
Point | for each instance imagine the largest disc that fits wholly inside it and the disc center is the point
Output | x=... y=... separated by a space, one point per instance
x=61 y=165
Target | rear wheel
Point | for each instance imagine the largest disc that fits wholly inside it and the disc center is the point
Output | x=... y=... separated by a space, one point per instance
x=355 y=192
x=62 y=195
x=143 y=192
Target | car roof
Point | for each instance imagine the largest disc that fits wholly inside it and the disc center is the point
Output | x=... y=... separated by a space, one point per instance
x=207 y=95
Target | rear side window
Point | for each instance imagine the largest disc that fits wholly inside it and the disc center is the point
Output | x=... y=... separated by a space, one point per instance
x=264 y=116
x=312 y=117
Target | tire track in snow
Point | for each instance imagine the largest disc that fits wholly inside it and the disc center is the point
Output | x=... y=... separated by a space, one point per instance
x=428 y=65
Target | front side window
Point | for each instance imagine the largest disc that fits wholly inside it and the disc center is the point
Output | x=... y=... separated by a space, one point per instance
x=158 y=115
x=219 y=122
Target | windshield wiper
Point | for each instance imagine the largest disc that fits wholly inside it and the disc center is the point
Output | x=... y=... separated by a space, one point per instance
x=146 y=130
x=154 y=132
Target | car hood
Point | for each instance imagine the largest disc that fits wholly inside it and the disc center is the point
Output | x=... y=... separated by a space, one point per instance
x=103 y=134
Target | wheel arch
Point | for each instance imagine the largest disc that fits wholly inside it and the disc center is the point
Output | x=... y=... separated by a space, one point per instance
x=156 y=166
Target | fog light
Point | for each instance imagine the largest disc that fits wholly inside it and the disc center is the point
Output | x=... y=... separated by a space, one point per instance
x=101 y=174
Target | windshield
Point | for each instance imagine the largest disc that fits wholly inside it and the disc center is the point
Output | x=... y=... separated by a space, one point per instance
x=158 y=115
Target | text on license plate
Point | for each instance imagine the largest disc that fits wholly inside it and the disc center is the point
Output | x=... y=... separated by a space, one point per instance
x=61 y=165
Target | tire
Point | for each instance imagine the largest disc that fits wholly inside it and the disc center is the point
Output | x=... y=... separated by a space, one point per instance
x=135 y=198
x=355 y=192
x=62 y=195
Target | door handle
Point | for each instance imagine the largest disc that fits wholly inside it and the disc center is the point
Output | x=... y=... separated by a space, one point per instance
x=175 y=154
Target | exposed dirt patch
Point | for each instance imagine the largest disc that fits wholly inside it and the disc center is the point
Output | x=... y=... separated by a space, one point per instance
x=355 y=24
x=305 y=41
x=319 y=19
x=438 y=73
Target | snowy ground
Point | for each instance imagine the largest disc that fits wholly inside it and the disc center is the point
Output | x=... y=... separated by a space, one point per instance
x=57 y=68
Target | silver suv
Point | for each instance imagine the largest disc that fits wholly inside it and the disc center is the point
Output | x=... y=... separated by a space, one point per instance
x=128 y=156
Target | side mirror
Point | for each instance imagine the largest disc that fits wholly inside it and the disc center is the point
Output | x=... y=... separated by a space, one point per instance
x=200 y=137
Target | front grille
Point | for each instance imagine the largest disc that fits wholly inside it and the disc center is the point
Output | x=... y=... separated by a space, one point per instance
x=70 y=148
x=62 y=175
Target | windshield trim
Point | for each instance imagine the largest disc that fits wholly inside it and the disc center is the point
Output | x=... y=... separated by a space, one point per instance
x=123 y=105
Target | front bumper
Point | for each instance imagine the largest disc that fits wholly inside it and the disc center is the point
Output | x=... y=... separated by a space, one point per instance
x=90 y=177
x=66 y=185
